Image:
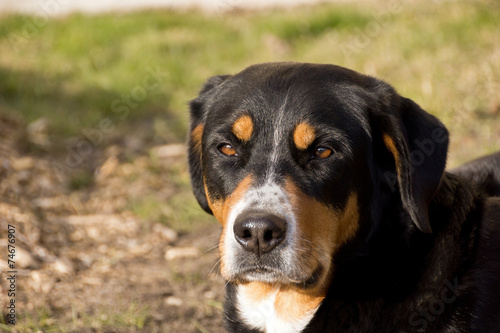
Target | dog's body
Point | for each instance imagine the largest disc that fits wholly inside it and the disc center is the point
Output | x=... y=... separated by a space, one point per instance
x=483 y=171
x=337 y=214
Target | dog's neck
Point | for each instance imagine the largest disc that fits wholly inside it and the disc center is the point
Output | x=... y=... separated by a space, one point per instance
x=276 y=309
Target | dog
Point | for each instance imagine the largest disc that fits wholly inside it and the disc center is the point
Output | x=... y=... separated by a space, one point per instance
x=336 y=212
x=484 y=171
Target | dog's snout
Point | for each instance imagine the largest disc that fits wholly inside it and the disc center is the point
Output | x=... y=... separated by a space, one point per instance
x=259 y=232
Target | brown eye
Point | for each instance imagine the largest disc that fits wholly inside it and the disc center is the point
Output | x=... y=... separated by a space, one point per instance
x=322 y=152
x=227 y=150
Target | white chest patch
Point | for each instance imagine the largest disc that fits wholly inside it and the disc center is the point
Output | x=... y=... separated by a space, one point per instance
x=262 y=315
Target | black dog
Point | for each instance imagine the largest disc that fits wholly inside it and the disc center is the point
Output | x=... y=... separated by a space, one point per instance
x=337 y=214
x=484 y=171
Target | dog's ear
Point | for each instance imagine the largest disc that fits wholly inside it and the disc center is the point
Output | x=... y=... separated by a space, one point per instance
x=198 y=116
x=418 y=143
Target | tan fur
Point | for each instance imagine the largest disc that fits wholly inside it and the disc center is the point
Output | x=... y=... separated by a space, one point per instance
x=196 y=135
x=389 y=143
x=325 y=228
x=303 y=135
x=243 y=128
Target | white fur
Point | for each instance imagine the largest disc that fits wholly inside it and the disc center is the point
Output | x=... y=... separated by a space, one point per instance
x=262 y=315
x=270 y=198
x=278 y=137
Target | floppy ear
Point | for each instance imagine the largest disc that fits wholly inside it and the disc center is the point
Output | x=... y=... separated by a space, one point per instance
x=198 y=116
x=418 y=142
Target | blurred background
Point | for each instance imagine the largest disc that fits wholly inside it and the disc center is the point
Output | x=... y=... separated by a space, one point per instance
x=94 y=117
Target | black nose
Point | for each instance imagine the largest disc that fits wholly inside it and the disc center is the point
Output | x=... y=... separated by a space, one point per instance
x=259 y=232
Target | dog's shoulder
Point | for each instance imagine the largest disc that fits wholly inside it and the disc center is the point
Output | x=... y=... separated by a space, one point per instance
x=484 y=171
x=492 y=219
x=490 y=234
x=487 y=273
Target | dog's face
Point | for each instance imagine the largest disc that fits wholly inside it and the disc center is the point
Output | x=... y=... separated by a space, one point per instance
x=292 y=161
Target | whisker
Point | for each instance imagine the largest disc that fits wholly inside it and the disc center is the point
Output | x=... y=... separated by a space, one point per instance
x=215 y=265
x=223 y=288
x=210 y=250
x=314 y=249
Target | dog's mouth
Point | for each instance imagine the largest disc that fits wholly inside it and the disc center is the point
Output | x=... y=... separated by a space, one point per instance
x=273 y=275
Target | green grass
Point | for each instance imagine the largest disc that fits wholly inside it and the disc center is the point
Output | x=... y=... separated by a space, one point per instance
x=132 y=317
x=78 y=70
x=181 y=212
x=42 y=320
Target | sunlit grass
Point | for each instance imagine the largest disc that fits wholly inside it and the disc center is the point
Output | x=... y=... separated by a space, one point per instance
x=181 y=212
x=78 y=70
x=131 y=318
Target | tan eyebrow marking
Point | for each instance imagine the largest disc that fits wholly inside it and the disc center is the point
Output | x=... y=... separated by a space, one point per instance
x=303 y=135
x=243 y=128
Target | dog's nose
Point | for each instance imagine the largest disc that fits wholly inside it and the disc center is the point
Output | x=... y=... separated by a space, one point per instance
x=259 y=232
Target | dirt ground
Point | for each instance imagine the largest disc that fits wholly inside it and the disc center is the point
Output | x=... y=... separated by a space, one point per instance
x=87 y=263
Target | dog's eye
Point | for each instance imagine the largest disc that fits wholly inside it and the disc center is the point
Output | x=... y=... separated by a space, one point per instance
x=322 y=152
x=227 y=150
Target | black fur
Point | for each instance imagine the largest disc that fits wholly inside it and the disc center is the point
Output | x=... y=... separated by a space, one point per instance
x=484 y=171
x=426 y=255
x=198 y=115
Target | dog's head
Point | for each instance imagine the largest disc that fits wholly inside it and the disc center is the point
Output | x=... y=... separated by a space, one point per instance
x=296 y=160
